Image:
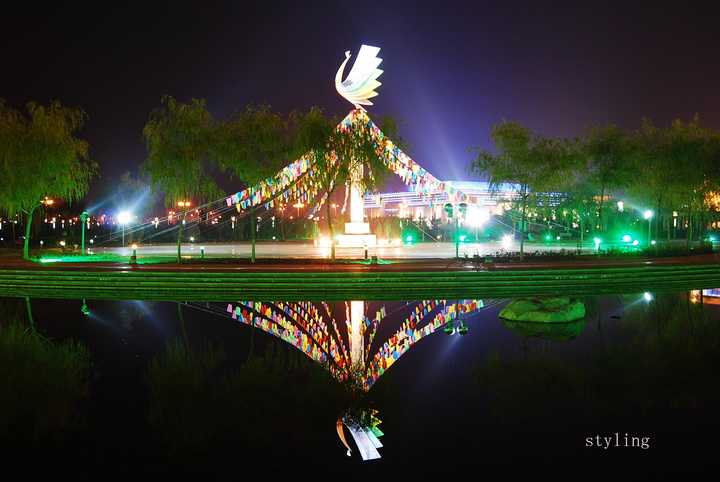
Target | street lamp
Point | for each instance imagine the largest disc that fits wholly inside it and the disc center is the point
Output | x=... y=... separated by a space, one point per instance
x=648 y=216
x=123 y=219
x=298 y=206
x=83 y=217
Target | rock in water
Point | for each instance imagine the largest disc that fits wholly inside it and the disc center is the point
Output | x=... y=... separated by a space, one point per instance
x=559 y=318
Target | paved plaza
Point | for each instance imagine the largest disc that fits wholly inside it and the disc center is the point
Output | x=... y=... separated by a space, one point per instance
x=310 y=250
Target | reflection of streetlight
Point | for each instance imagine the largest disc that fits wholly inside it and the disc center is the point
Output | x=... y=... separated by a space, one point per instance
x=123 y=219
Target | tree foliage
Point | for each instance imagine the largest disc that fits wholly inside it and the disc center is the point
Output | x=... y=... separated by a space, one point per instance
x=695 y=149
x=40 y=156
x=180 y=140
x=254 y=145
x=529 y=163
x=609 y=153
x=346 y=153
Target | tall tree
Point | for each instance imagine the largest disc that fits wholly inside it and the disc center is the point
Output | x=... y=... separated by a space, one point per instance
x=696 y=150
x=352 y=152
x=40 y=157
x=656 y=183
x=254 y=145
x=579 y=200
x=181 y=153
x=609 y=153
x=527 y=162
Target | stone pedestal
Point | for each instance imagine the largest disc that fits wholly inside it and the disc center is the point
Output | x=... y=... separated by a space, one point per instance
x=357 y=231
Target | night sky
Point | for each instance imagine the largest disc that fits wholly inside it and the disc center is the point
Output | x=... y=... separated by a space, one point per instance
x=451 y=69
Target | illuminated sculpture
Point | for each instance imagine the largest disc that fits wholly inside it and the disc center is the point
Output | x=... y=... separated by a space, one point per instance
x=361 y=82
x=345 y=346
x=294 y=183
x=357 y=88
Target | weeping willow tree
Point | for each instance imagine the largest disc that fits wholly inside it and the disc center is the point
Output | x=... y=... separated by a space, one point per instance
x=41 y=157
x=527 y=162
x=609 y=153
x=253 y=146
x=694 y=150
x=347 y=153
x=181 y=154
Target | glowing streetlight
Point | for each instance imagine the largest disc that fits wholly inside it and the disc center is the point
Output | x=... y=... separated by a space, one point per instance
x=298 y=206
x=123 y=219
x=83 y=217
x=648 y=216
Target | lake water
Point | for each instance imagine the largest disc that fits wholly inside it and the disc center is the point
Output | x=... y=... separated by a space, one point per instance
x=446 y=427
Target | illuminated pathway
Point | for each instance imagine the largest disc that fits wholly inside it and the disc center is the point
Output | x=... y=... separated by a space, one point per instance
x=280 y=250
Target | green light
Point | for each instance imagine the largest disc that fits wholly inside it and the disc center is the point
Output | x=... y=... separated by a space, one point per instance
x=409 y=239
x=463 y=329
x=462 y=237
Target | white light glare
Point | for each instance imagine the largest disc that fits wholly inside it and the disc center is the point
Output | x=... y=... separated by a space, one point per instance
x=124 y=217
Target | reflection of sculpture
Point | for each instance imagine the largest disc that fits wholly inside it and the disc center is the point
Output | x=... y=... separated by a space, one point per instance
x=361 y=83
x=313 y=329
x=348 y=346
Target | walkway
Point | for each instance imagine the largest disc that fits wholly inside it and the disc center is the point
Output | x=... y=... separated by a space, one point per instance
x=319 y=280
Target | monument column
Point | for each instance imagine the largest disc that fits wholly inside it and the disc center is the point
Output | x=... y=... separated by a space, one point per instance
x=357 y=88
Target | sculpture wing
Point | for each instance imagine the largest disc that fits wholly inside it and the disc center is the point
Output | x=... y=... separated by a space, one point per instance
x=360 y=84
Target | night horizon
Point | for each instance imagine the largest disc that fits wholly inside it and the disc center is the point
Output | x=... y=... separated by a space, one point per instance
x=285 y=312
x=450 y=73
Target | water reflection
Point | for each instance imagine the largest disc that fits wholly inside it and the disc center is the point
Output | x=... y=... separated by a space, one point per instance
x=208 y=387
x=666 y=361
x=558 y=318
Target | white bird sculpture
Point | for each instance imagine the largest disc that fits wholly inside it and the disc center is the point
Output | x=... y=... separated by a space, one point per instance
x=361 y=82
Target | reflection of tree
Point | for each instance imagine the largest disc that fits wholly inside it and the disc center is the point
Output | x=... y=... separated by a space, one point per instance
x=195 y=402
x=670 y=364
x=529 y=385
x=42 y=383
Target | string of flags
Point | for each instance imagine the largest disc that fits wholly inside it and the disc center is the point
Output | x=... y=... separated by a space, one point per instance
x=296 y=183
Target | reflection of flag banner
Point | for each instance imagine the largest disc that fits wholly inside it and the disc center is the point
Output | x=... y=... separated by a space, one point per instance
x=302 y=325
